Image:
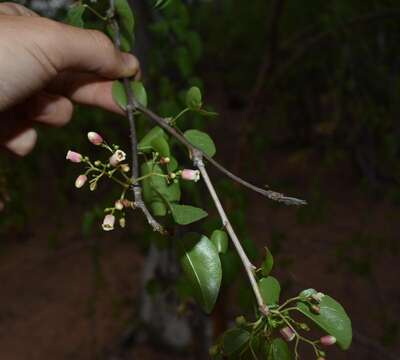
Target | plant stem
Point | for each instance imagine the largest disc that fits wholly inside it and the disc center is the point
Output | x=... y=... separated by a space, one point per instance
x=137 y=189
x=249 y=267
x=273 y=195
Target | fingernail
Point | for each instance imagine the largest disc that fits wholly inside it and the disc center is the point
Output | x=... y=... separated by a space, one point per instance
x=131 y=62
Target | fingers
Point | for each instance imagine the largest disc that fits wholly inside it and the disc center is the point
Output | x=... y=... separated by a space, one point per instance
x=22 y=142
x=9 y=8
x=50 y=109
x=91 y=51
x=16 y=125
x=86 y=89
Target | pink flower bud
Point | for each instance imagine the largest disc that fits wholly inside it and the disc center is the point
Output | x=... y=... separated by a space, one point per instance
x=117 y=157
x=328 y=340
x=191 y=175
x=119 y=205
x=108 y=222
x=80 y=181
x=95 y=138
x=74 y=156
x=287 y=333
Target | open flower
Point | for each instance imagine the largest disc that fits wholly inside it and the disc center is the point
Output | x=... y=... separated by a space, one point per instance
x=80 y=181
x=117 y=158
x=108 y=222
x=190 y=175
x=74 y=156
x=327 y=340
x=287 y=333
x=95 y=138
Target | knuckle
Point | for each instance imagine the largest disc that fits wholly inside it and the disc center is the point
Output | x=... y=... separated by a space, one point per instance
x=101 y=40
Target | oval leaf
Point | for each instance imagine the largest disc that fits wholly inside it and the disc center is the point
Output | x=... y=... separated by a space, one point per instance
x=268 y=263
x=145 y=144
x=270 y=290
x=332 y=319
x=120 y=97
x=186 y=214
x=202 y=141
x=235 y=340
x=156 y=191
x=200 y=262
x=126 y=22
x=220 y=239
x=194 y=98
x=75 y=14
x=279 y=350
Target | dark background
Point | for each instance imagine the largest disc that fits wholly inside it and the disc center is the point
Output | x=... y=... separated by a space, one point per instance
x=309 y=96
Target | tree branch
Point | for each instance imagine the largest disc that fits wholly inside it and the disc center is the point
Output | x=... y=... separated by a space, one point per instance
x=249 y=267
x=270 y=194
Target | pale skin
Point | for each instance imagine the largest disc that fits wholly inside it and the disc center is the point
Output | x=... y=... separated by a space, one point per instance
x=46 y=67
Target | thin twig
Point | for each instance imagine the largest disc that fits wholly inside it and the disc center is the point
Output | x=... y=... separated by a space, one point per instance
x=130 y=111
x=249 y=267
x=270 y=194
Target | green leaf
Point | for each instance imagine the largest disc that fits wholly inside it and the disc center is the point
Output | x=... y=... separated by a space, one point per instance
x=270 y=290
x=332 y=319
x=145 y=143
x=279 y=350
x=234 y=340
x=120 y=97
x=161 y=146
x=194 y=98
x=156 y=191
x=126 y=22
x=220 y=239
x=173 y=164
x=186 y=214
x=207 y=113
x=75 y=14
x=202 y=141
x=139 y=92
x=200 y=262
x=160 y=4
x=268 y=263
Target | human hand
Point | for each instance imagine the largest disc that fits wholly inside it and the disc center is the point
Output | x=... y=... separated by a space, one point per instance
x=45 y=66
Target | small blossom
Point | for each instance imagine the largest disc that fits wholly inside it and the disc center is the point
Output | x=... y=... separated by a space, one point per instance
x=165 y=160
x=119 y=205
x=80 y=181
x=125 y=167
x=95 y=138
x=127 y=203
x=191 y=175
x=108 y=222
x=317 y=297
x=93 y=186
x=122 y=222
x=315 y=309
x=328 y=340
x=74 y=156
x=287 y=333
x=117 y=158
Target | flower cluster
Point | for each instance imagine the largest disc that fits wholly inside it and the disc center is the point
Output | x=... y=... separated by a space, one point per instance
x=113 y=168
